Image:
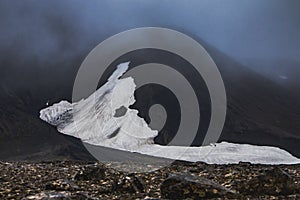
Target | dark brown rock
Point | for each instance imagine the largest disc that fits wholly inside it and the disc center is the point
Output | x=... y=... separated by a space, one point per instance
x=56 y=180
x=58 y=196
x=91 y=173
x=131 y=183
x=187 y=186
x=61 y=185
x=273 y=181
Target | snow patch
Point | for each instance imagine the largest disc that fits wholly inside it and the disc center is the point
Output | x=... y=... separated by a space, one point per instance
x=94 y=120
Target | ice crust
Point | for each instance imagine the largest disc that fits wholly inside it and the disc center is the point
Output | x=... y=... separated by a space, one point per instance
x=93 y=120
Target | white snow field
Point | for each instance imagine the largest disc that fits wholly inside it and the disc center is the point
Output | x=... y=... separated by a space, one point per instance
x=94 y=121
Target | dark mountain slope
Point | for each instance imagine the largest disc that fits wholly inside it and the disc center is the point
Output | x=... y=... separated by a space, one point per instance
x=260 y=111
x=23 y=136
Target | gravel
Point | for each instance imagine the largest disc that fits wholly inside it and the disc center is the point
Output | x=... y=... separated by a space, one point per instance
x=180 y=180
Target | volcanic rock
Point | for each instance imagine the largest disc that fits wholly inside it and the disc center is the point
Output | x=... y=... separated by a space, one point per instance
x=184 y=186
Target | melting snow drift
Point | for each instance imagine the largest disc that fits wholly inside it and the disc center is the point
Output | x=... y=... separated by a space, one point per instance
x=96 y=121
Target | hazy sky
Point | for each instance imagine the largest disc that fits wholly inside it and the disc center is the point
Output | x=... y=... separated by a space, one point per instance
x=261 y=34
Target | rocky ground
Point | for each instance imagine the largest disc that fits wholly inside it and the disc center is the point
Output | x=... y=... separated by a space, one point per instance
x=180 y=180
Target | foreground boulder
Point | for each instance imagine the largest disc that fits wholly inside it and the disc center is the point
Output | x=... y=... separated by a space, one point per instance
x=58 y=196
x=271 y=181
x=187 y=186
x=130 y=183
x=91 y=173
